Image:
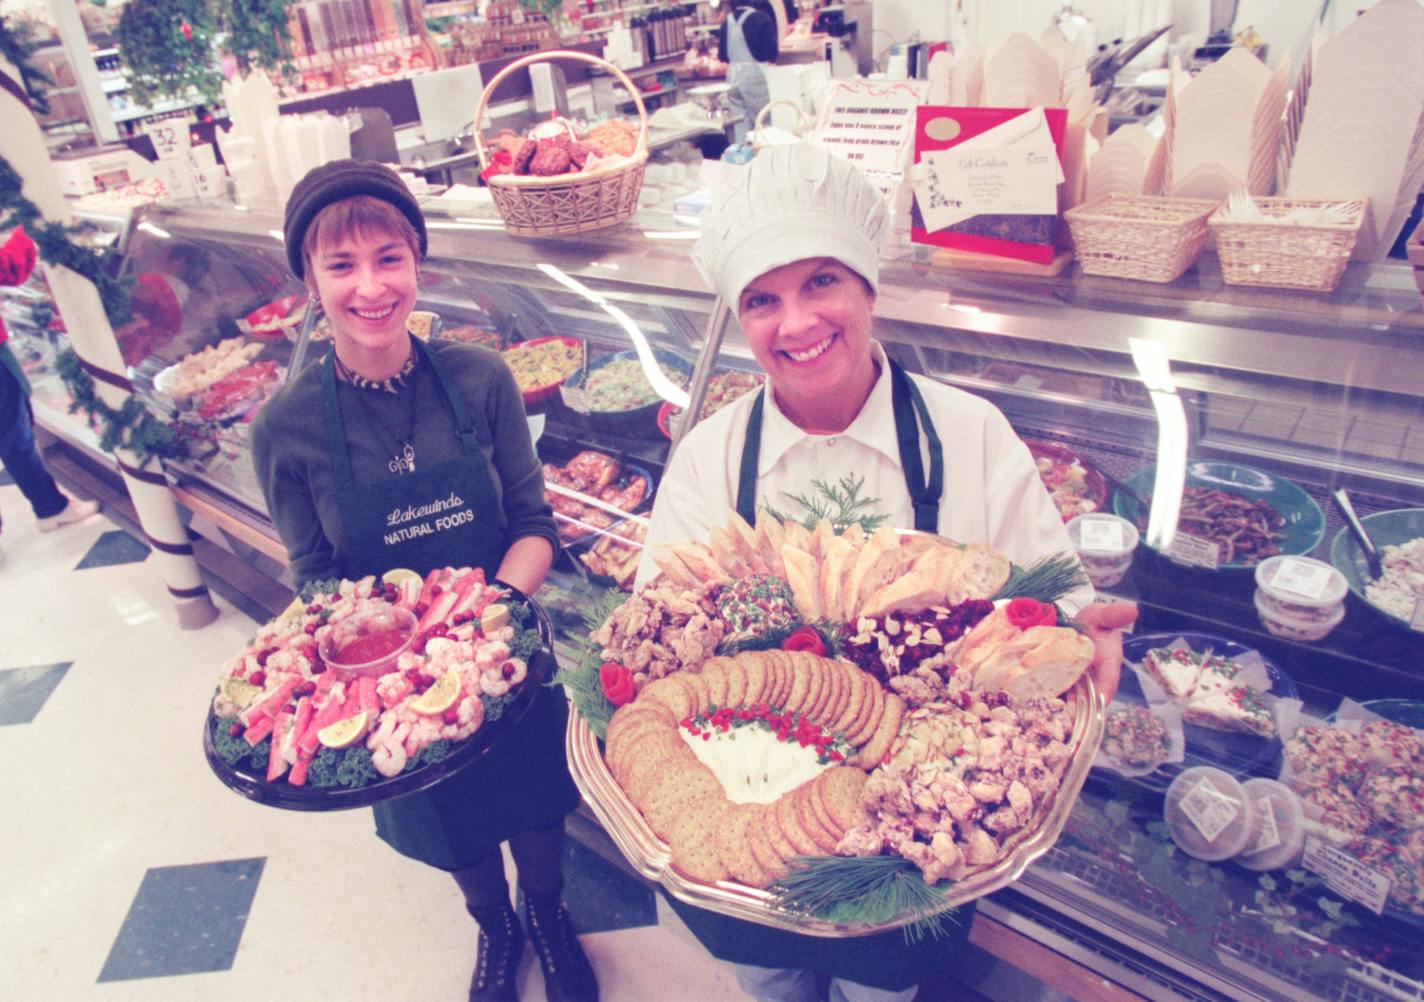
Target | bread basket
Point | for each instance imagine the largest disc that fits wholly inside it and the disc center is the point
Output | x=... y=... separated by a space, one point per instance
x=567 y=203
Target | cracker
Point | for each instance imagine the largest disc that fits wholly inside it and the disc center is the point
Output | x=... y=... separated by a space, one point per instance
x=633 y=712
x=823 y=816
x=632 y=742
x=669 y=691
x=697 y=690
x=785 y=678
x=679 y=789
x=755 y=667
x=870 y=717
x=789 y=822
x=714 y=676
x=815 y=707
x=783 y=846
x=772 y=863
x=840 y=789
x=801 y=677
x=885 y=733
x=854 y=704
x=734 y=844
x=825 y=839
x=693 y=849
x=646 y=769
x=736 y=684
x=840 y=693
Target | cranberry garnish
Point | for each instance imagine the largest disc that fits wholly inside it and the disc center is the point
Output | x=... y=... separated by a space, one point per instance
x=452 y=715
x=257 y=677
x=507 y=670
x=234 y=730
x=310 y=628
x=313 y=609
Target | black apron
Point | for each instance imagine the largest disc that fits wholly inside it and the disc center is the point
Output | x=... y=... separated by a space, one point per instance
x=883 y=960
x=523 y=782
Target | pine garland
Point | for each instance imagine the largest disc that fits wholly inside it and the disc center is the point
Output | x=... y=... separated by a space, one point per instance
x=16 y=48
x=581 y=681
x=865 y=889
x=130 y=427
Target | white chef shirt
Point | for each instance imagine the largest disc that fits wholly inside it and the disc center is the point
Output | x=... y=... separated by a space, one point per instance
x=992 y=491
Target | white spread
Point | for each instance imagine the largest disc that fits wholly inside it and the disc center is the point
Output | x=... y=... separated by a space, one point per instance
x=752 y=766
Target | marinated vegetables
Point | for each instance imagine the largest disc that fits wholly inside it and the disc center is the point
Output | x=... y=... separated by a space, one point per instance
x=621 y=385
x=539 y=364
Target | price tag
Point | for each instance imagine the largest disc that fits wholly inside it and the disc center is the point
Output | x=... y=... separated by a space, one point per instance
x=170 y=138
x=1416 y=621
x=177 y=179
x=1305 y=578
x=211 y=182
x=1345 y=875
x=1101 y=535
x=1194 y=551
x=1210 y=810
x=202 y=156
x=1270 y=835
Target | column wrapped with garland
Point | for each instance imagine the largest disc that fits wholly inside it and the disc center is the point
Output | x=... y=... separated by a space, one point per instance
x=30 y=196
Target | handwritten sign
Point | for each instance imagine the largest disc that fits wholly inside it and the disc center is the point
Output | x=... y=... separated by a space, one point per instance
x=170 y=138
x=1346 y=875
x=870 y=123
x=211 y=182
x=177 y=179
x=1194 y=551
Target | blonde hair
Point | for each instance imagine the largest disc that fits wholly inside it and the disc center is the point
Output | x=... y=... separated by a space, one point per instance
x=355 y=216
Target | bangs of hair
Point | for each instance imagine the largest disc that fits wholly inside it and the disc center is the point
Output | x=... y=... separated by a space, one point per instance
x=356 y=217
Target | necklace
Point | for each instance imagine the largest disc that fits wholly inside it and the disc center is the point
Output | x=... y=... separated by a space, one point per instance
x=400 y=448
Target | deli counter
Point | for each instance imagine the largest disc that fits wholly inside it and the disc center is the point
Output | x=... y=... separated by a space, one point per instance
x=1289 y=395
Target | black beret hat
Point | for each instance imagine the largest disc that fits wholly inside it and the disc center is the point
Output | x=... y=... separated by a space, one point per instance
x=344 y=179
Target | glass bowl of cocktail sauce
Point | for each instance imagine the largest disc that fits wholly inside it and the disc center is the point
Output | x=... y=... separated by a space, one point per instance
x=368 y=641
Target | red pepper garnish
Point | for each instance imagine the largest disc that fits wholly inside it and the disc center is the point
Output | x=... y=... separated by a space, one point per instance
x=617 y=683
x=1027 y=612
x=805 y=638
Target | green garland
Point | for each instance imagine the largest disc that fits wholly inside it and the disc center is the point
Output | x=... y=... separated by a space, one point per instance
x=130 y=427
x=167 y=46
x=257 y=34
x=15 y=48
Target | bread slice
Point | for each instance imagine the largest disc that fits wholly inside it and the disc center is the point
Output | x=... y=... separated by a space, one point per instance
x=727 y=553
x=836 y=554
x=802 y=576
x=982 y=572
x=823 y=533
x=941 y=565
x=1058 y=658
x=701 y=562
x=744 y=538
x=910 y=593
x=770 y=534
x=672 y=567
x=876 y=565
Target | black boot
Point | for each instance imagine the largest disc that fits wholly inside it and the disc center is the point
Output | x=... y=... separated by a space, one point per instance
x=501 y=945
x=568 y=976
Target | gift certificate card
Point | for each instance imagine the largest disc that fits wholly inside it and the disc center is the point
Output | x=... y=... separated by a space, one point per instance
x=958 y=184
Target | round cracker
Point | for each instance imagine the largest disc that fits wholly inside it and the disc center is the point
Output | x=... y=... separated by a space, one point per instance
x=840 y=790
x=693 y=849
x=631 y=713
x=840 y=691
x=697 y=690
x=643 y=770
x=676 y=791
x=776 y=837
x=855 y=703
x=669 y=691
x=801 y=677
x=714 y=675
x=736 y=685
x=875 y=749
x=754 y=664
x=788 y=821
x=870 y=718
x=781 y=677
x=821 y=692
x=773 y=864
x=825 y=839
x=734 y=844
x=633 y=743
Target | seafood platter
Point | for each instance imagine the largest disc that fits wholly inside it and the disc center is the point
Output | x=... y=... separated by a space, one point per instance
x=788 y=711
x=366 y=690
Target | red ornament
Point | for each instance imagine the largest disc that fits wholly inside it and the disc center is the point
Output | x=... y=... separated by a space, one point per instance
x=186 y=29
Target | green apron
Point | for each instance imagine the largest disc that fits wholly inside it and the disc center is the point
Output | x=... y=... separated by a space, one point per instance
x=523 y=782
x=883 y=960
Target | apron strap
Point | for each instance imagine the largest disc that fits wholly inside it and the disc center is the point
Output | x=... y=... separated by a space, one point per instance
x=335 y=435
x=751 y=453
x=469 y=438
x=907 y=402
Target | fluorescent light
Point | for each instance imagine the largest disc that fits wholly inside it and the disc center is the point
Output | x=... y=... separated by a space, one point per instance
x=672 y=234
x=663 y=386
x=157 y=231
x=1155 y=368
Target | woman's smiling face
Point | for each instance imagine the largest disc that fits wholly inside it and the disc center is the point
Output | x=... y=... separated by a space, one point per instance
x=366 y=282
x=808 y=323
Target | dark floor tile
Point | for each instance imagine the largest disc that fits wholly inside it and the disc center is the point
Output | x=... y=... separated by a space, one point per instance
x=23 y=691
x=184 y=920
x=600 y=896
x=113 y=548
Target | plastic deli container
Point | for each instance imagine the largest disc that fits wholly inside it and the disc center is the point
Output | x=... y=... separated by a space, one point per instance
x=1105 y=543
x=368 y=642
x=1210 y=814
x=1299 y=598
x=1280 y=826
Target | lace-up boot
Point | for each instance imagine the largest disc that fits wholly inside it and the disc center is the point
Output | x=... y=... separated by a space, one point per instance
x=568 y=976
x=501 y=946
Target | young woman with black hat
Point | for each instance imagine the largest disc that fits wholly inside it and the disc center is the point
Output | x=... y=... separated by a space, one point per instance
x=385 y=421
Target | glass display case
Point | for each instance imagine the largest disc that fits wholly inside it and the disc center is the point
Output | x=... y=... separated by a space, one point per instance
x=1279 y=397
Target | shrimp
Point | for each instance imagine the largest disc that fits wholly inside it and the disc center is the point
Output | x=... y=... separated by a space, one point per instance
x=389 y=755
x=491 y=653
x=492 y=682
x=392 y=688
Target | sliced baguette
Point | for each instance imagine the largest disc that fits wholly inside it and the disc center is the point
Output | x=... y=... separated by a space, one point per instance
x=802 y=576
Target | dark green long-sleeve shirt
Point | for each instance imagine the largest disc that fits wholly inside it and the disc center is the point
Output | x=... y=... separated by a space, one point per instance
x=293 y=463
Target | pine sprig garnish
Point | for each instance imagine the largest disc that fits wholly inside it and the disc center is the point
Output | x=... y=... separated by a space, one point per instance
x=841 y=504
x=1047 y=580
x=864 y=889
x=581 y=681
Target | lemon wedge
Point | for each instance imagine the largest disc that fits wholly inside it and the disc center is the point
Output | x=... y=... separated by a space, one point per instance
x=440 y=696
x=494 y=617
x=294 y=610
x=399 y=576
x=345 y=732
x=239 y=692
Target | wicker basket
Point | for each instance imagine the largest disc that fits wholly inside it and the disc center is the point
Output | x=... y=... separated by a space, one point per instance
x=1139 y=236
x=1286 y=255
x=567 y=203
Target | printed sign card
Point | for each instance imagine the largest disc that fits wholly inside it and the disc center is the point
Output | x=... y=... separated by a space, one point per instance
x=871 y=123
x=986 y=180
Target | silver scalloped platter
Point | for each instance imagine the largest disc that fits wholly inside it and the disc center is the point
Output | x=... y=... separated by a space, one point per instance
x=651 y=856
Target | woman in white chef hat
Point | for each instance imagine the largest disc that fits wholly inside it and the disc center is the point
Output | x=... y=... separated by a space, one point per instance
x=794 y=249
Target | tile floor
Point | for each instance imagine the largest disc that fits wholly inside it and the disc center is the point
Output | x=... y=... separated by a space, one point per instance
x=130 y=872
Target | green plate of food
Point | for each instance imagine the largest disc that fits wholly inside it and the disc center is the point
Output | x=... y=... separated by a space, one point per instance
x=1249 y=513
x=1399 y=535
